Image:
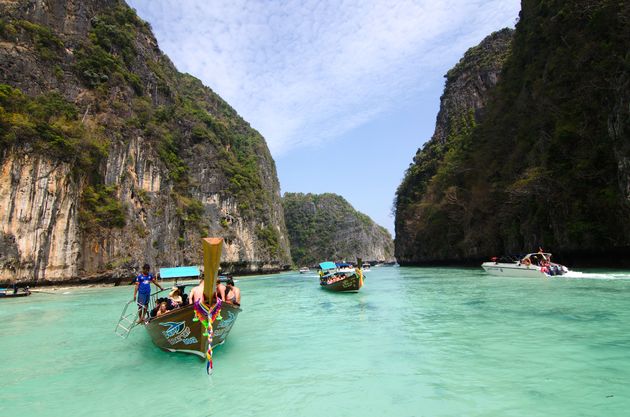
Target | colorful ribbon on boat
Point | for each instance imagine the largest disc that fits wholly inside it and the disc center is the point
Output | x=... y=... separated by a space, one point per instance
x=207 y=315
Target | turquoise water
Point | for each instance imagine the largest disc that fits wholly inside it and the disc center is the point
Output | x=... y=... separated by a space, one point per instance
x=413 y=342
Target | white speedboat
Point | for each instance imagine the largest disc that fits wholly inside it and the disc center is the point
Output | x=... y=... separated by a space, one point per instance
x=366 y=267
x=532 y=265
x=304 y=270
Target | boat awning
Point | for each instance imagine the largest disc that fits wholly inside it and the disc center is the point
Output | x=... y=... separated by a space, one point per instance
x=180 y=272
x=343 y=265
x=327 y=265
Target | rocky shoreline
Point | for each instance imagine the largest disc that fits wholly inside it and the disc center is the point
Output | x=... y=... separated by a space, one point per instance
x=116 y=278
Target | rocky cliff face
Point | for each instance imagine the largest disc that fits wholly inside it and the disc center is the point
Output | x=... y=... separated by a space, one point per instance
x=110 y=158
x=546 y=163
x=326 y=227
x=461 y=107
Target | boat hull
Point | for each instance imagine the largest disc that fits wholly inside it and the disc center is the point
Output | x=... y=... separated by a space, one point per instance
x=518 y=270
x=20 y=294
x=512 y=270
x=349 y=284
x=177 y=332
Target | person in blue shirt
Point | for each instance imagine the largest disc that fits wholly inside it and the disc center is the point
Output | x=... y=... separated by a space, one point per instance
x=142 y=291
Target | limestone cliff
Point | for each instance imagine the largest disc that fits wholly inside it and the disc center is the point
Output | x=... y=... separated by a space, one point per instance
x=461 y=106
x=110 y=157
x=546 y=163
x=325 y=227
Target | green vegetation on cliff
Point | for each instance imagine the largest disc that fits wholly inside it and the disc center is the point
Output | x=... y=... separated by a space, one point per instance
x=109 y=52
x=547 y=163
x=326 y=227
x=154 y=157
x=49 y=124
x=133 y=92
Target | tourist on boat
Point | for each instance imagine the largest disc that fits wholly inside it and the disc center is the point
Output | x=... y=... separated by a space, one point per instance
x=542 y=254
x=196 y=293
x=545 y=267
x=163 y=309
x=232 y=293
x=175 y=298
x=142 y=290
x=155 y=309
x=220 y=292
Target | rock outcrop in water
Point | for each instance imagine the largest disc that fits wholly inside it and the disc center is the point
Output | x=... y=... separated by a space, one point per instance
x=110 y=157
x=545 y=163
x=325 y=227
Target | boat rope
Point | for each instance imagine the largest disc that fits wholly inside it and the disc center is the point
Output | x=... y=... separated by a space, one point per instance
x=207 y=315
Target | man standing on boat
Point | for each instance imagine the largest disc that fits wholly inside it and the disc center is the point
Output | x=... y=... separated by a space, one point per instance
x=143 y=290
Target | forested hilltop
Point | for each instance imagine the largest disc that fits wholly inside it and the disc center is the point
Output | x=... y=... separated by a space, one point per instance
x=111 y=158
x=544 y=161
x=325 y=227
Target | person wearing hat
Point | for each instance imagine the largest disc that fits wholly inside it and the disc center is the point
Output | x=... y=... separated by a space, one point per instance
x=142 y=291
x=176 y=297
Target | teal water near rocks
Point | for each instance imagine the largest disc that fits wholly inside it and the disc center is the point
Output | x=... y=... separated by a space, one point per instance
x=413 y=342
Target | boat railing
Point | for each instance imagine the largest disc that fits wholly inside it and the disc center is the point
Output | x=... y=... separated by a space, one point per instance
x=129 y=319
x=163 y=293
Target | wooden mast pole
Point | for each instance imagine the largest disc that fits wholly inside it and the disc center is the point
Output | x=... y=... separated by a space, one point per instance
x=211 y=260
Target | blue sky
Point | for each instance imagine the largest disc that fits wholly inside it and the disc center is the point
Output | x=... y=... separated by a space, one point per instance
x=344 y=91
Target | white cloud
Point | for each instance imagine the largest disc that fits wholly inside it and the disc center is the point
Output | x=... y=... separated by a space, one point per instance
x=304 y=72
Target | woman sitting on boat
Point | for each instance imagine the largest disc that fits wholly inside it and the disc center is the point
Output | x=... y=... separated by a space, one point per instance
x=175 y=297
x=162 y=309
x=232 y=293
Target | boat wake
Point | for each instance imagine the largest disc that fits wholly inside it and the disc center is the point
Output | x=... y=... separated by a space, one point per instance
x=588 y=275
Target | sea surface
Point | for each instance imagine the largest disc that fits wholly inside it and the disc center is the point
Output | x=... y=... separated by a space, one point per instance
x=412 y=342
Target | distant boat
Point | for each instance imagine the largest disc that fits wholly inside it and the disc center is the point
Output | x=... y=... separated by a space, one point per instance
x=179 y=330
x=341 y=279
x=14 y=292
x=304 y=270
x=344 y=267
x=533 y=265
x=366 y=267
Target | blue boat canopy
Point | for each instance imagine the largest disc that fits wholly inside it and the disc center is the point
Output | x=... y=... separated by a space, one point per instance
x=180 y=272
x=343 y=264
x=327 y=265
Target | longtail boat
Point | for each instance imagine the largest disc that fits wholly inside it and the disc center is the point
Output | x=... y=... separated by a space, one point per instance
x=15 y=291
x=340 y=278
x=190 y=328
